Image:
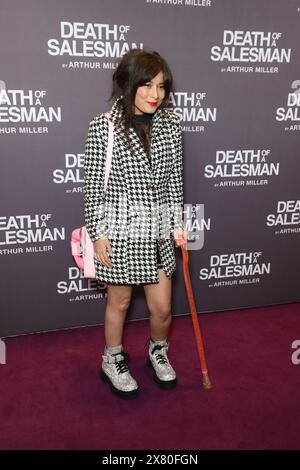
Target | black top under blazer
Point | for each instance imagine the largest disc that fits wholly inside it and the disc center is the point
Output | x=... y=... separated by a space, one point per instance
x=134 y=182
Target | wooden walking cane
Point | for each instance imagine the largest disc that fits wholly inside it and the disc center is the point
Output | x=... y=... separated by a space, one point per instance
x=206 y=381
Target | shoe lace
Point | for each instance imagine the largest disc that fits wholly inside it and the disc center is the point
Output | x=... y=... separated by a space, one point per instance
x=121 y=365
x=161 y=359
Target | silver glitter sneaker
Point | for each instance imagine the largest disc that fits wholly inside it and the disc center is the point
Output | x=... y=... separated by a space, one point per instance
x=115 y=371
x=164 y=374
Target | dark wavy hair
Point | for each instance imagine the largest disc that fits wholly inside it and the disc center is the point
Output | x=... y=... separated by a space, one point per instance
x=136 y=68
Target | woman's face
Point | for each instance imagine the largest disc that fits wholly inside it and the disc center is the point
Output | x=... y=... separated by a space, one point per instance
x=149 y=96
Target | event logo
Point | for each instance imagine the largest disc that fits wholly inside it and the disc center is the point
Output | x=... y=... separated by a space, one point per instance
x=91 y=40
x=82 y=287
x=290 y=113
x=241 y=163
x=71 y=173
x=33 y=230
x=26 y=106
x=250 y=46
x=190 y=107
x=183 y=3
x=286 y=217
x=195 y=224
x=225 y=268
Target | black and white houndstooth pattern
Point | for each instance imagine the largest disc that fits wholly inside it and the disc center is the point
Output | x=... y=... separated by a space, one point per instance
x=127 y=213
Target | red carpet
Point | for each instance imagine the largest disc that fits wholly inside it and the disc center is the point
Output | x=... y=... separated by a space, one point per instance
x=51 y=397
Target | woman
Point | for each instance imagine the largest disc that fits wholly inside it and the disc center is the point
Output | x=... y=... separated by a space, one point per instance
x=133 y=229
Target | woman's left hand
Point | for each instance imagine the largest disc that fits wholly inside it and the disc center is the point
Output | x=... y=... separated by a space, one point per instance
x=180 y=237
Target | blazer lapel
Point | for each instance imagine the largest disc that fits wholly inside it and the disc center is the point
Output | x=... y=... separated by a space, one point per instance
x=139 y=150
x=157 y=123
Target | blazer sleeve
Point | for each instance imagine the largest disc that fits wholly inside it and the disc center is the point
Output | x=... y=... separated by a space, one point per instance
x=175 y=185
x=94 y=172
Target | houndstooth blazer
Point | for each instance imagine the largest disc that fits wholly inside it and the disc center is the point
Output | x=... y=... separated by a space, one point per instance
x=143 y=202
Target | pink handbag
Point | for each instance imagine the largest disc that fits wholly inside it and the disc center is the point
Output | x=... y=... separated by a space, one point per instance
x=81 y=244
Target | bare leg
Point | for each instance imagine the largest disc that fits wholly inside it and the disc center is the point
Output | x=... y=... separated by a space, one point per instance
x=158 y=297
x=118 y=301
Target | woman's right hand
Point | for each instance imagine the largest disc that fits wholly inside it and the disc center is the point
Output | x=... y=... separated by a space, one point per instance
x=101 y=247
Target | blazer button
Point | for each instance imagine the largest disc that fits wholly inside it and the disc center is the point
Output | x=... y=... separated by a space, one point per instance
x=161 y=241
x=151 y=186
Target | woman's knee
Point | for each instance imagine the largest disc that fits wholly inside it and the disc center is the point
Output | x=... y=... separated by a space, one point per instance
x=161 y=311
x=119 y=299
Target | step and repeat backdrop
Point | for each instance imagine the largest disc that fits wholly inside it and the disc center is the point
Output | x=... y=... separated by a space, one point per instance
x=237 y=91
